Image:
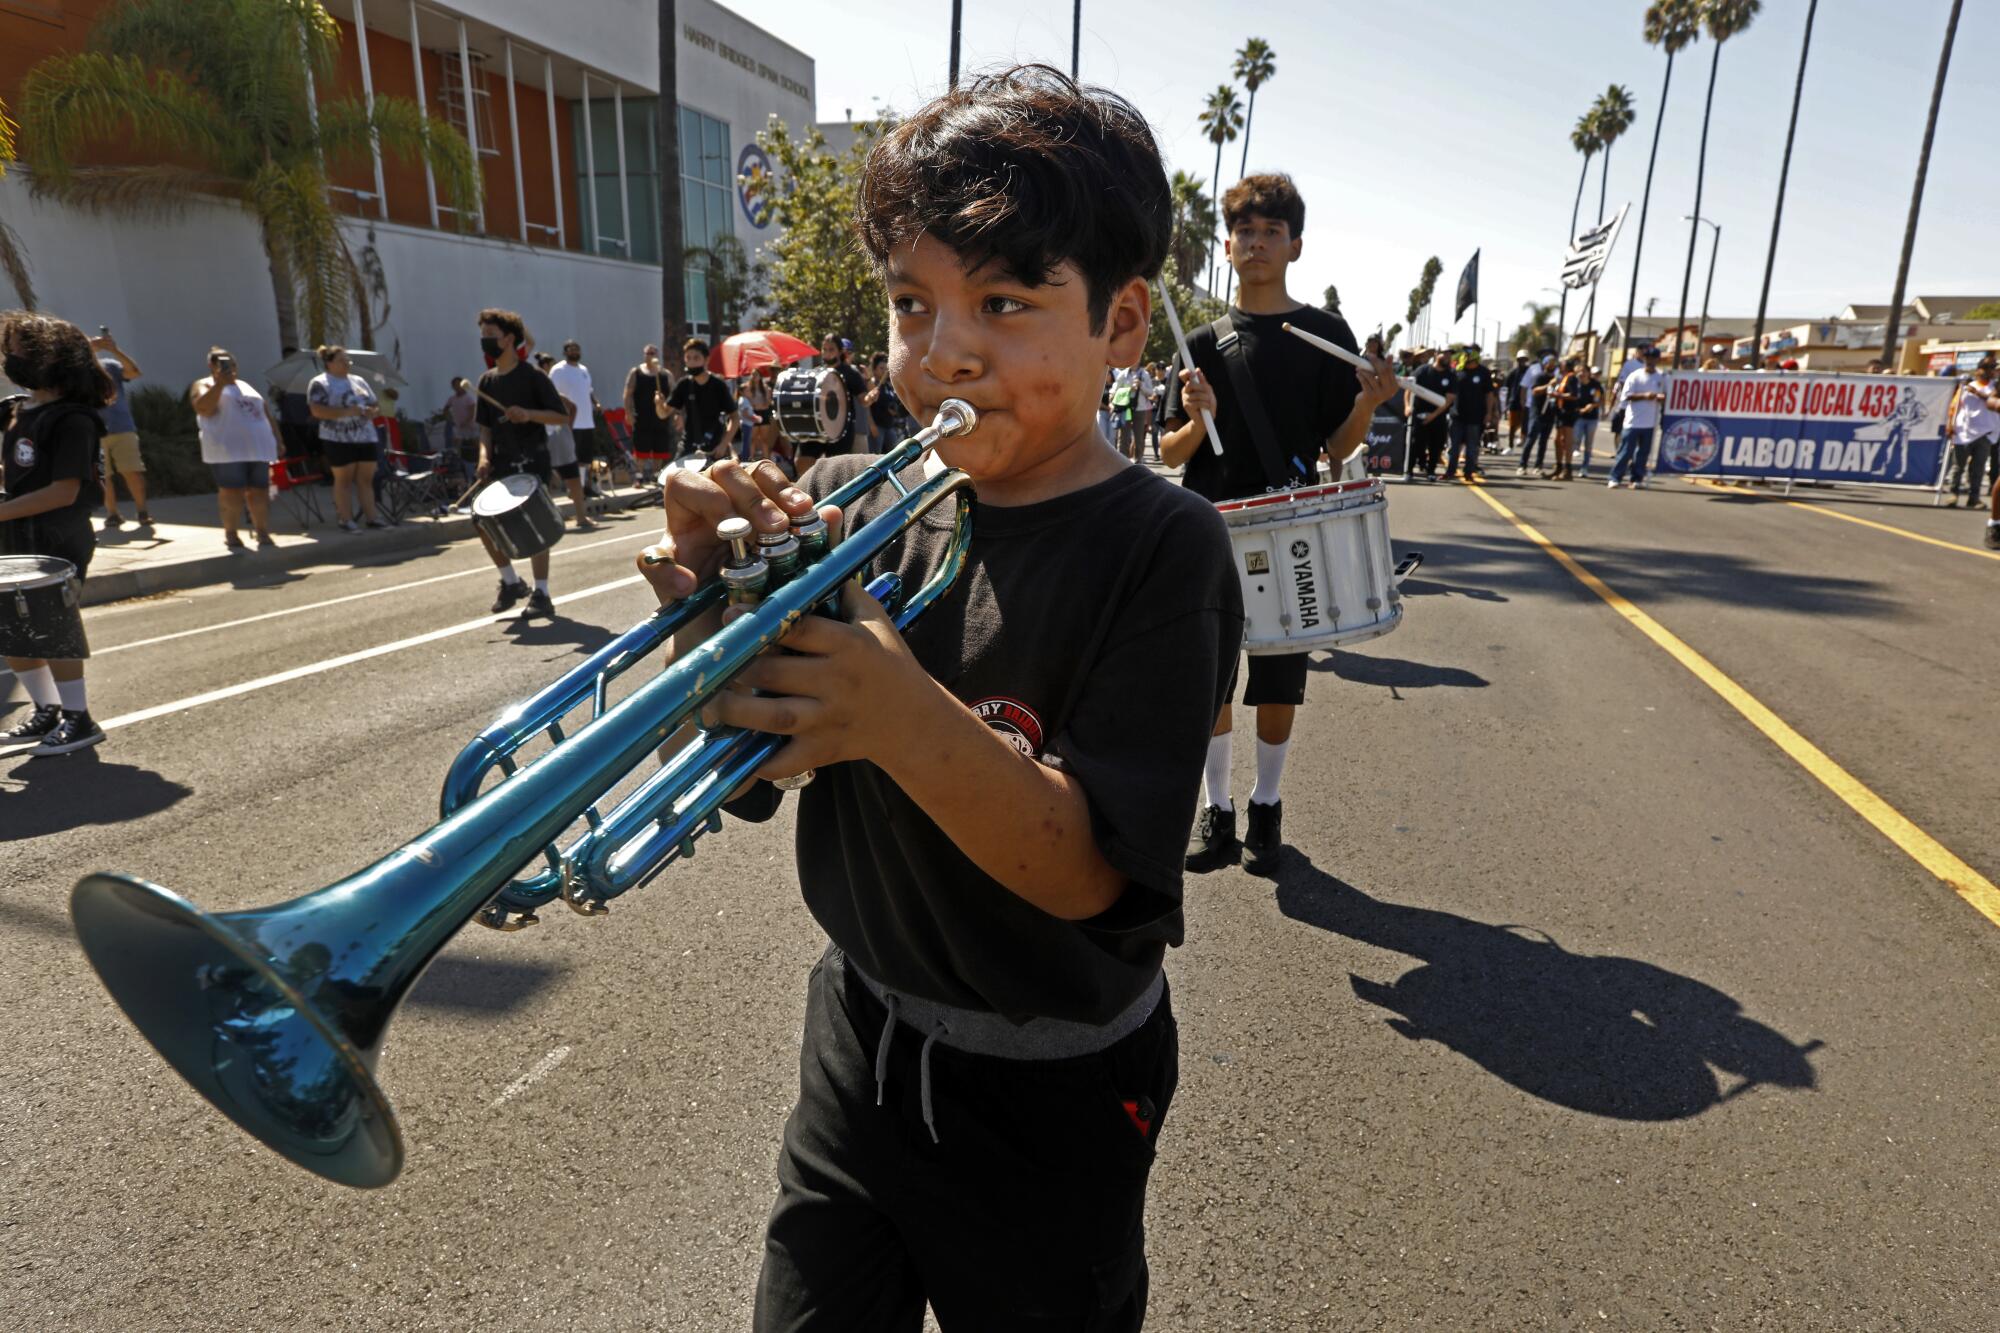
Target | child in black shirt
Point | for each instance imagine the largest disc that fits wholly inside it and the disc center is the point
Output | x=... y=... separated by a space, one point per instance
x=48 y=462
x=993 y=839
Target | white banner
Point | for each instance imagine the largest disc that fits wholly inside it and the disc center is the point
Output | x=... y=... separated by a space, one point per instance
x=1585 y=262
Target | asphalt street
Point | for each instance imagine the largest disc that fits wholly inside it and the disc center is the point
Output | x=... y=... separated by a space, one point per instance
x=1577 y=1002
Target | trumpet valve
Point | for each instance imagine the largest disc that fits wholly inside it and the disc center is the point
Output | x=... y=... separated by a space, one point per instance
x=744 y=572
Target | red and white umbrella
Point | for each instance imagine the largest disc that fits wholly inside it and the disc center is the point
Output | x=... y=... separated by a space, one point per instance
x=741 y=353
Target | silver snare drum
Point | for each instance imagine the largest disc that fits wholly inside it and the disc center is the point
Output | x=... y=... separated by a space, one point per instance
x=1316 y=566
x=517 y=515
x=810 y=405
x=41 y=608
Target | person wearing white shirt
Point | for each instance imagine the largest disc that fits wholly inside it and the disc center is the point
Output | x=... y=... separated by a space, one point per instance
x=1641 y=395
x=1975 y=429
x=572 y=380
x=239 y=442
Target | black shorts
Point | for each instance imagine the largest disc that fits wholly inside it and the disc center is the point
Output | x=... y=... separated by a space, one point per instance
x=345 y=453
x=586 y=446
x=535 y=465
x=65 y=534
x=1275 y=678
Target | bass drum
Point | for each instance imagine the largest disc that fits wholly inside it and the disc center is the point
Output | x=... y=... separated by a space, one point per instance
x=810 y=405
x=41 y=608
x=517 y=515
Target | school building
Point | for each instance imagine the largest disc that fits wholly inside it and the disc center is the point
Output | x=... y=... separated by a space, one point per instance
x=559 y=102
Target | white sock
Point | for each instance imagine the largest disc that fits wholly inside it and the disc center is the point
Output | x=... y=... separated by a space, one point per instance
x=1215 y=773
x=71 y=693
x=1270 y=768
x=507 y=574
x=542 y=587
x=41 y=686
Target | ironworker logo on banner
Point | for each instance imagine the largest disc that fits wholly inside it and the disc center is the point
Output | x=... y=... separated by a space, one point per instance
x=1689 y=444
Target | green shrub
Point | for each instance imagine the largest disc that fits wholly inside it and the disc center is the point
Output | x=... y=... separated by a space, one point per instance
x=170 y=443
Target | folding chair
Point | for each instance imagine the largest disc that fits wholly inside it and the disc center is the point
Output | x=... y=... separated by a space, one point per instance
x=296 y=487
x=415 y=483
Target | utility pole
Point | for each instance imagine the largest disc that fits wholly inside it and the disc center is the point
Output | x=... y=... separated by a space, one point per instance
x=957 y=16
x=1075 y=37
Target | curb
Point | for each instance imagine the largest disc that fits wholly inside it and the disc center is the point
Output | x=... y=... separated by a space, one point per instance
x=205 y=571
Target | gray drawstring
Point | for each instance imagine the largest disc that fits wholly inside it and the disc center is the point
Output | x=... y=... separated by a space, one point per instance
x=882 y=1047
x=924 y=1079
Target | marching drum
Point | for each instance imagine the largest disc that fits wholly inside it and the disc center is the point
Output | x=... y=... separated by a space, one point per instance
x=1316 y=566
x=517 y=515
x=810 y=405
x=41 y=608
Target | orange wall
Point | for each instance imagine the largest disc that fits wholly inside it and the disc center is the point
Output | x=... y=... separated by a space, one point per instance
x=33 y=30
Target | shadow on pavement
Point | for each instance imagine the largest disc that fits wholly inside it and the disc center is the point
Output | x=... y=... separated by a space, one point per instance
x=1603 y=1035
x=1394 y=672
x=56 y=793
x=36 y=918
x=1428 y=588
x=560 y=629
x=476 y=985
x=1654 y=576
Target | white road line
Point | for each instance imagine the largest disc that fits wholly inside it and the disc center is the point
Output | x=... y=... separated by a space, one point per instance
x=347 y=659
x=543 y=1068
x=558 y=553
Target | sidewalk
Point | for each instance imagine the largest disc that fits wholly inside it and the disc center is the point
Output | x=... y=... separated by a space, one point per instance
x=184 y=547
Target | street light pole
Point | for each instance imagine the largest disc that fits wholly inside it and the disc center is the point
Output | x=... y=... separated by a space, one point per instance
x=1701 y=329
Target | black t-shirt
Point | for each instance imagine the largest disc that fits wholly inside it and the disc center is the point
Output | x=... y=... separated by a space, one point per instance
x=523 y=386
x=704 y=408
x=887 y=408
x=645 y=421
x=1474 y=386
x=1439 y=381
x=857 y=385
x=1096 y=631
x=1306 y=394
x=1513 y=383
x=1589 y=398
x=51 y=443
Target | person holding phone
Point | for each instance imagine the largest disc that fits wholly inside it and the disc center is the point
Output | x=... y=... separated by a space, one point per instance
x=239 y=442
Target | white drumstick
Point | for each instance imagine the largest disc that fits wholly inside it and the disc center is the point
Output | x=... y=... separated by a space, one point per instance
x=1180 y=341
x=1351 y=359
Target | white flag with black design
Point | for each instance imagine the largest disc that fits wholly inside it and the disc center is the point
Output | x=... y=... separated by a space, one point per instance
x=1587 y=253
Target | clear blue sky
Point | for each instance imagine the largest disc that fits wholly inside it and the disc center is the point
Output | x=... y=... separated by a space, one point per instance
x=1421 y=129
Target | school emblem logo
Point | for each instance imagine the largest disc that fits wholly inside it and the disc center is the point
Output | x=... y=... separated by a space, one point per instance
x=1689 y=444
x=24 y=452
x=1300 y=550
x=1014 y=720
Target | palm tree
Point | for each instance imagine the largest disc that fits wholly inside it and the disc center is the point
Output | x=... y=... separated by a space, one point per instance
x=1194 y=223
x=1895 y=321
x=1784 y=171
x=13 y=259
x=1584 y=137
x=1220 y=120
x=1670 y=25
x=1536 y=332
x=1724 y=19
x=213 y=97
x=1255 y=64
x=1614 y=114
x=667 y=160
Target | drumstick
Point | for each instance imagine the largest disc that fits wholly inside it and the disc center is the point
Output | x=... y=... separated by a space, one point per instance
x=1187 y=358
x=1358 y=363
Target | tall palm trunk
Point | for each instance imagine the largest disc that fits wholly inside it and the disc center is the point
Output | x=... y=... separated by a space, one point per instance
x=1645 y=202
x=1562 y=311
x=1784 y=171
x=1242 y=170
x=1895 y=320
x=667 y=149
x=1218 y=199
x=284 y=293
x=1694 y=226
x=1590 y=306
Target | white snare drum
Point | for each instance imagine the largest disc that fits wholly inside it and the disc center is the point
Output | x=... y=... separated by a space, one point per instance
x=810 y=405
x=1316 y=566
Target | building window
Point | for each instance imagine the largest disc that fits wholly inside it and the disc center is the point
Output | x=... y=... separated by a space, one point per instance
x=707 y=195
x=597 y=179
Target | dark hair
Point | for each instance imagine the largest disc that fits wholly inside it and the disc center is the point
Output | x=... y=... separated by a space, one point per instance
x=1271 y=195
x=1027 y=169
x=329 y=352
x=695 y=345
x=507 y=322
x=543 y=360
x=61 y=354
x=879 y=359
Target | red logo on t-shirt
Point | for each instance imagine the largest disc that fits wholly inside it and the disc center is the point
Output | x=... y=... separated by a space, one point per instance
x=1014 y=720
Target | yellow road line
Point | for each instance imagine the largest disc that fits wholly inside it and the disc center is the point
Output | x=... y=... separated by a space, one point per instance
x=1867 y=523
x=1920 y=846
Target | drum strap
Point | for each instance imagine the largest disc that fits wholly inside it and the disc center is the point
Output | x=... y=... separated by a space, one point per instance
x=1237 y=362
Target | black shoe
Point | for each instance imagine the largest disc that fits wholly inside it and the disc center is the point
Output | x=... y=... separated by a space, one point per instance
x=539 y=604
x=1216 y=844
x=112 y=522
x=38 y=724
x=74 y=732
x=1992 y=538
x=1263 y=841
x=511 y=591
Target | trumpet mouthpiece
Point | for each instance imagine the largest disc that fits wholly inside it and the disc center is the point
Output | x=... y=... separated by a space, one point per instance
x=955 y=416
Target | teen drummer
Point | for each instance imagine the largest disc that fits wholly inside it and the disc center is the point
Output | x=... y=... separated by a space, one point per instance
x=993 y=839
x=516 y=403
x=1310 y=402
x=48 y=458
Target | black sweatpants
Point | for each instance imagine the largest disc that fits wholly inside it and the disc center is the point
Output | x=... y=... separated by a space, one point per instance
x=1026 y=1215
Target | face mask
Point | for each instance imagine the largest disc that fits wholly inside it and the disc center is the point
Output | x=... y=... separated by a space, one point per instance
x=20 y=370
x=489 y=347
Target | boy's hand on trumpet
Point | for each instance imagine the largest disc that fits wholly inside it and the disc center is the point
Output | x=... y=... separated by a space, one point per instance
x=689 y=554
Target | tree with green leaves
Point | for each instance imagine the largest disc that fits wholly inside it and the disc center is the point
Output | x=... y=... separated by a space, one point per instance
x=213 y=98
x=1194 y=222
x=1536 y=332
x=735 y=285
x=821 y=280
x=13 y=258
x=1723 y=19
x=1669 y=25
x=1255 y=64
x=1990 y=310
x=1221 y=120
x=1194 y=310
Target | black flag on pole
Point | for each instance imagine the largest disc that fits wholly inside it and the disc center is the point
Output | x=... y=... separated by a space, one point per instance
x=1468 y=287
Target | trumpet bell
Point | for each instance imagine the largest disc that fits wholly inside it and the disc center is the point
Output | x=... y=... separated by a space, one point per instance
x=287 y=1050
